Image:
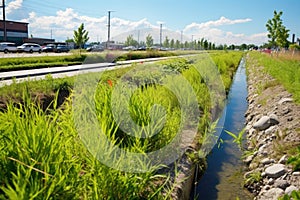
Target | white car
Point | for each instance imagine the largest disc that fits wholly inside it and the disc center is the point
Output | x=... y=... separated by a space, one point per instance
x=8 y=47
x=29 y=47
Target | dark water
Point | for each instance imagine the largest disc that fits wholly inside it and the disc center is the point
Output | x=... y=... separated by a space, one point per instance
x=223 y=178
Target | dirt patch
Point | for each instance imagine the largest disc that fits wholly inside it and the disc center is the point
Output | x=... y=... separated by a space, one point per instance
x=45 y=101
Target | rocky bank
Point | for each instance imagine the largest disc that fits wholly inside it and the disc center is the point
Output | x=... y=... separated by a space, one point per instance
x=273 y=129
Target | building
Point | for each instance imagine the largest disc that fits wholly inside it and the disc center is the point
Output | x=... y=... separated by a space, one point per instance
x=40 y=41
x=15 y=31
x=112 y=45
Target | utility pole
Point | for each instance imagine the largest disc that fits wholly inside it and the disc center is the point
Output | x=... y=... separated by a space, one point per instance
x=181 y=39
x=4 y=22
x=138 y=38
x=108 y=31
x=193 y=42
x=160 y=36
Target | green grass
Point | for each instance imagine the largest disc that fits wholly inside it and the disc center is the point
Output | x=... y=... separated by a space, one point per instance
x=285 y=71
x=9 y=64
x=43 y=153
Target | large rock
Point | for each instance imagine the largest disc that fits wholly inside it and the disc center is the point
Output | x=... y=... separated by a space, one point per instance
x=290 y=189
x=271 y=194
x=275 y=171
x=274 y=119
x=281 y=184
x=262 y=124
x=265 y=122
x=285 y=100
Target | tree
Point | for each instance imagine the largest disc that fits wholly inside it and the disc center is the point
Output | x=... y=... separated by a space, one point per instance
x=205 y=44
x=149 y=41
x=172 y=43
x=166 y=43
x=130 y=41
x=278 y=34
x=80 y=36
x=177 y=44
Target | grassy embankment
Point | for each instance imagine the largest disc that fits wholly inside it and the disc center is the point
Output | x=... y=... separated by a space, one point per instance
x=43 y=157
x=284 y=68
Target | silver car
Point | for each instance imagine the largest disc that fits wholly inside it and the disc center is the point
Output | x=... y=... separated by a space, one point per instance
x=29 y=47
x=8 y=47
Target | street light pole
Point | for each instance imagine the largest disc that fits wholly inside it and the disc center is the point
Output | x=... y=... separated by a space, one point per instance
x=108 y=31
x=4 y=22
x=160 y=36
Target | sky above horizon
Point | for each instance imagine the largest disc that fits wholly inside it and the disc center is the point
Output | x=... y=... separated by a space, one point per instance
x=219 y=21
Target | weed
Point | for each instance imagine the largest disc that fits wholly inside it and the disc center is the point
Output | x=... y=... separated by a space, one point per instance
x=252 y=178
x=237 y=138
x=295 y=160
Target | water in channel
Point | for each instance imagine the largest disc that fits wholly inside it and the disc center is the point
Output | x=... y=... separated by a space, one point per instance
x=223 y=178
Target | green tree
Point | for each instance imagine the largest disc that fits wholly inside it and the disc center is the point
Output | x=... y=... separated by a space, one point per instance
x=166 y=43
x=186 y=45
x=205 y=44
x=149 y=41
x=177 y=44
x=213 y=46
x=172 y=43
x=80 y=36
x=130 y=41
x=278 y=34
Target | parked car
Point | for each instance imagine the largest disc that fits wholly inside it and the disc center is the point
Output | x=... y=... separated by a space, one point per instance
x=130 y=48
x=95 y=48
x=8 y=47
x=49 y=48
x=29 y=47
x=143 y=48
x=62 y=48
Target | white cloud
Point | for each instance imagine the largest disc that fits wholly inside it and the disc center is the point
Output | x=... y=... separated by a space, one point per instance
x=13 y=5
x=220 y=22
x=64 y=22
x=212 y=31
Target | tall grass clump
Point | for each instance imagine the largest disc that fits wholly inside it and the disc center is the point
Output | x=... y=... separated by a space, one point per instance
x=42 y=157
x=286 y=71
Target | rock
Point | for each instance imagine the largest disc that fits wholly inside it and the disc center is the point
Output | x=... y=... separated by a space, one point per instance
x=285 y=100
x=286 y=111
x=262 y=124
x=290 y=189
x=283 y=159
x=271 y=181
x=266 y=161
x=275 y=171
x=296 y=174
x=281 y=184
x=271 y=194
x=248 y=159
x=262 y=148
x=274 y=119
x=270 y=130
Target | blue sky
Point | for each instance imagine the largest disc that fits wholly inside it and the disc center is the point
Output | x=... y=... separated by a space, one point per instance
x=220 y=21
